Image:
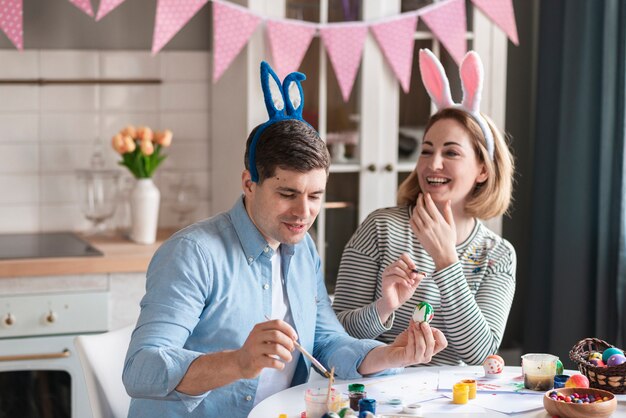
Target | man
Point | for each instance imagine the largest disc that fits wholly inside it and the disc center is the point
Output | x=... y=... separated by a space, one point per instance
x=202 y=346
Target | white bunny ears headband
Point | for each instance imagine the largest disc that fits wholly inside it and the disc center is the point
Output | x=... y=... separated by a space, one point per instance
x=438 y=88
x=283 y=102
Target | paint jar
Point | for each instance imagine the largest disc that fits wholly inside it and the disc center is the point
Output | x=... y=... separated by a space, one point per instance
x=471 y=384
x=356 y=392
x=318 y=402
x=367 y=405
x=559 y=380
x=460 y=393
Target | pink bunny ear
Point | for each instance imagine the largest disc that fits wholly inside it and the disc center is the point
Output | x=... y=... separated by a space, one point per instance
x=435 y=80
x=472 y=81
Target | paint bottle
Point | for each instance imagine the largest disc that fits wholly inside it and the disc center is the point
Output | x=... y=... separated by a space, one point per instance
x=460 y=393
x=356 y=392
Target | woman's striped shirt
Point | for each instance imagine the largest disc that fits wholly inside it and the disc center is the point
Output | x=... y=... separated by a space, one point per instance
x=471 y=298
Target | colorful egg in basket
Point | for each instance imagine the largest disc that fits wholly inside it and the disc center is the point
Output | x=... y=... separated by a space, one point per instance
x=601 y=375
x=600 y=403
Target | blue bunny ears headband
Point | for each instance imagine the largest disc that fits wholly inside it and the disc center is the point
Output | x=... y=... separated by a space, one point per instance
x=438 y=87
x=283 y=101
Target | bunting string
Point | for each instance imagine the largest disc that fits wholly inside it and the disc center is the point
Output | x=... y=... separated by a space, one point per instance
x=289 y=39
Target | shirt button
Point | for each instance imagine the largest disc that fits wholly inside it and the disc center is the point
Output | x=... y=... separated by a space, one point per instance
x=266 y=249
x=248 y=398
x=250 y=259
x=266 y=286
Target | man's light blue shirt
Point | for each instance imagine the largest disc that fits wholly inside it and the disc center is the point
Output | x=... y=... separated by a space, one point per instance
x=206 y=288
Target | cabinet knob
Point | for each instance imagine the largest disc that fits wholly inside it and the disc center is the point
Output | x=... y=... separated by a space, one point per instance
x=50 y=318
x=8 y=320
x=371 y=167
x=389 y=167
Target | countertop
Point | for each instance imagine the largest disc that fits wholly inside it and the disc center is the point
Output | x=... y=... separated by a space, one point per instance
x=120 y=256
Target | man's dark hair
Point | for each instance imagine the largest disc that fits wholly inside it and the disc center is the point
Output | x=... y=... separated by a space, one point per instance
x=290 y=145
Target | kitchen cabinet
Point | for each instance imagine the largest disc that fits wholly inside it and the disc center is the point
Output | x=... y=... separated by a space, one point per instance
x=373 y=137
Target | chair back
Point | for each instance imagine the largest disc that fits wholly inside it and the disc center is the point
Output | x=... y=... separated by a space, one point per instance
x=102 y=359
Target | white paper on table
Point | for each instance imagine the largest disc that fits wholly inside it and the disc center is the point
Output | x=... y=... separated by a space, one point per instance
x=409 y=388
x=508 y=403
x=509 y=382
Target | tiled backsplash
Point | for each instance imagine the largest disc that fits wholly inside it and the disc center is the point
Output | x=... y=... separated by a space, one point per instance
x=49 y=131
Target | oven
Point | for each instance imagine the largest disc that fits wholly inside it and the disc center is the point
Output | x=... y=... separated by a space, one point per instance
x=40 y=372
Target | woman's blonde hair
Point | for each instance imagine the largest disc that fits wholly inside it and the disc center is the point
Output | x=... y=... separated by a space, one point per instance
x=488 y=199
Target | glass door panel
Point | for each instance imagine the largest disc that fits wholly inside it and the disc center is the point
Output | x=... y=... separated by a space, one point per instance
x=307 y=10
x=342 y=218
x=35 y=393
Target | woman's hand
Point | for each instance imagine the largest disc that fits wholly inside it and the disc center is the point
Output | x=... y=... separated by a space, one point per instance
x=417 y=344
x=435 y=231
x=398 y=285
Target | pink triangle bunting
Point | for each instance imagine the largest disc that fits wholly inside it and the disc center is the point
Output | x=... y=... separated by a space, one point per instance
x=84 y=5
x=171 y=16
x=395 y=39
x=502 y=14
x=289 y=42
x=11 y=18
x=448 y=23
x=344 y=44
x=106 y=6
x=232 y=27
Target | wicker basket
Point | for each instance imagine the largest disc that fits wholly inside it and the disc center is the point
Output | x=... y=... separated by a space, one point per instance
x=612 y=379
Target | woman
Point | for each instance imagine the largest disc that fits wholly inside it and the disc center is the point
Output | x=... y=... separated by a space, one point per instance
x=466 y=272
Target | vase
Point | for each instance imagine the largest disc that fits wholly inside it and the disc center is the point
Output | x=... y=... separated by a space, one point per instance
x=144 y=211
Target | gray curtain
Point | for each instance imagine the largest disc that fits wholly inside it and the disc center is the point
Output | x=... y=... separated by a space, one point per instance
x=577 y=258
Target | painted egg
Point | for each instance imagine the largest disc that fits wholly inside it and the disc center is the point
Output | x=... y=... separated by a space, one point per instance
x=559 y=367
x=616 y=360
x=609 y=352
x=577 y=381
x=493 y=365
x=597 y=362
x=423 y=312
x=594 y=355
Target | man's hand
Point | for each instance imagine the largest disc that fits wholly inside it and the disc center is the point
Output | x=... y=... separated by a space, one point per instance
x=269 y=345
x=417 y=344
x=399 y=282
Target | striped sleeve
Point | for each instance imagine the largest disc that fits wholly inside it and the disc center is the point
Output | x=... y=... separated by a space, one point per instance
x=475 y=323
x=355 y=291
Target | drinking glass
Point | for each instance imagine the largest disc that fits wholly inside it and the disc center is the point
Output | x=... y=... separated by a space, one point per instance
x=97 y=194
x=185 y=199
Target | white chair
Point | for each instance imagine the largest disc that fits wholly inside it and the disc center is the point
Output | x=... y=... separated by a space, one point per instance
x=102 y=359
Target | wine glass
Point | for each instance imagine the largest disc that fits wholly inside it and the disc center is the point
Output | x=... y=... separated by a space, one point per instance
x=97 y=194
x=185 y=199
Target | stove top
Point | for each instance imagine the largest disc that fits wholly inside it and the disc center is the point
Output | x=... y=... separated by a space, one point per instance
x=45 y=245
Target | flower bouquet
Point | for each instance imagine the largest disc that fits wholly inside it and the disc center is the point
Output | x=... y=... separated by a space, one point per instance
x=140 y=149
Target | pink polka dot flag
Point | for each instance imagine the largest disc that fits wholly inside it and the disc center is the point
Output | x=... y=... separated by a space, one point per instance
x=289 y=42
x=447 y=22
x=232 y=27
x=344 y=44
x=502 y=14
x=395 y=38
x=84 y=5
x=11 y=21
x=171 y=16
x=106 y=6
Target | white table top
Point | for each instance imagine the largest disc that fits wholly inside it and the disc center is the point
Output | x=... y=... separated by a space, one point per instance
x=291 y=401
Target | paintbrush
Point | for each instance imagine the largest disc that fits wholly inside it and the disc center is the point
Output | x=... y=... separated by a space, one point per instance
x=310 y=357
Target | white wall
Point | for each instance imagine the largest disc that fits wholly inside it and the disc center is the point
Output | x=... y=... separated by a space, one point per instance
x=47 y=132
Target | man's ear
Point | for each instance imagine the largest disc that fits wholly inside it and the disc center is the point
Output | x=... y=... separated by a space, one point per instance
x=246 y=182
